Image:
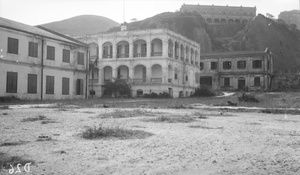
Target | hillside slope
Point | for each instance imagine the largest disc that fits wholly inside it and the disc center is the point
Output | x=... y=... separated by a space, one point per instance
x=82 y=25
x=262 y=32
x=191 y=25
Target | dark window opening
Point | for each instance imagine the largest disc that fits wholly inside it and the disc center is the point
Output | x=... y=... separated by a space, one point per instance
x=241 y=64
x=213 y=65
x=32 y=84
x=257 y=81
x=226 y=82
x=79 y=87
x=33 y=49
x=257 y=64
x=11 y=82
x=66 y=56
x=80 y=58
x=50 y=53
x=65 y=86
x=201 y=66
x=227 y=65
x=12 y=45
x=49 y=84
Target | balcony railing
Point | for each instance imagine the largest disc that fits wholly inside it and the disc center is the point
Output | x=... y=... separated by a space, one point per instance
x=123 y=55
x=156 y=80
x=156 y=53
x=139 y=80
x=139 y=55
x=169 y=80
x=107 y=80
x=105 y=56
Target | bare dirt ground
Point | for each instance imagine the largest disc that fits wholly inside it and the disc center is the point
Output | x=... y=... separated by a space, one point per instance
x=222 y=143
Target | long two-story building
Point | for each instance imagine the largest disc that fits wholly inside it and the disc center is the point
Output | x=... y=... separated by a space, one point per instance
x=37 y=63
x=153 y=60
x=244 y=70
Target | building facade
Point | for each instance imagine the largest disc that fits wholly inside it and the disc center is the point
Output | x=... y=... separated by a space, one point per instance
x=222 y=14
x=153 y=60
x=237 y=70
x=36 y=63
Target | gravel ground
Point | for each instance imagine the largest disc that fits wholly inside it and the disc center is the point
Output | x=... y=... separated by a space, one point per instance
x=224 y=143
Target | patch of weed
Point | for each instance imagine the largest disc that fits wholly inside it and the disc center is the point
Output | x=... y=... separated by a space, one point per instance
x=7 y=160
x=281 y=111
x=128 y=113
x=102 y=132
x=12 y=143
x=171 y=119
x=205 y=127
x=33 y=119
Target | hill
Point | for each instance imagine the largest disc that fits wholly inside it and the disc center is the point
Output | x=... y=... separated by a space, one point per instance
x=282 y=39
x=82 y=25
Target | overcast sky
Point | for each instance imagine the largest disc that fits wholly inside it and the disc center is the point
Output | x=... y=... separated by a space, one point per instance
x=35 y=12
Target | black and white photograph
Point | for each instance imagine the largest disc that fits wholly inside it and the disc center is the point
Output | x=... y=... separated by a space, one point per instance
x=150 y=87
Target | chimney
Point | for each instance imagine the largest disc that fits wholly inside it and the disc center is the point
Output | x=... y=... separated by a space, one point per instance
x=124 y=26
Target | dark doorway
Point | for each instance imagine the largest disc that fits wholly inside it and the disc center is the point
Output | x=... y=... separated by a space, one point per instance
x=241 y=84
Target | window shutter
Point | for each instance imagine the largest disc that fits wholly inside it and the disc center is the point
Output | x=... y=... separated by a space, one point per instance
x=32 y=84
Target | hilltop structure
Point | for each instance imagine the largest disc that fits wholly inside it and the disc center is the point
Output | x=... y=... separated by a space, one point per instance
x=246 y=70
x=291 y=17
x=37 y=63
x=151 y=60
x=222 y=14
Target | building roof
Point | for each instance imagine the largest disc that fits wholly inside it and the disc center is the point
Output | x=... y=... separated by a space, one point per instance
x=39 y=31
x=214 y=6
x=234 y=54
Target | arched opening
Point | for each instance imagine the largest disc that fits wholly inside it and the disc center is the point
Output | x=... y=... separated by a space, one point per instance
x=170 y=48
x=107 y=50
x=139 y=93
x=181 y=52
x=241 y=83
x=156 y=73
x=123 y=49
x=245 y=21
x=176 y=50
x=123 y=72
x=156 y=47
x=140 y=48
x=139 y=73
x=209 y=20
x=107 y=74
x=223 y=21
x=216 y=20
x=187 y=54
x=170 y=74
x=237 y=21
x=192 y=55
x=230 y=21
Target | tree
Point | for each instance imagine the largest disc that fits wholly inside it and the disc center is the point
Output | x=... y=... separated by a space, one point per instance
x=118 y=87
x=269 y=15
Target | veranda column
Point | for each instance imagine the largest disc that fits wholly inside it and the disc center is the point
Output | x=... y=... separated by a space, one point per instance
x=165 y=48
x=148 y=48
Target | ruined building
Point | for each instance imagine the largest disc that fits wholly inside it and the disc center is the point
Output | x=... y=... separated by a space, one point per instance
x=291 y=17
x=151 y=60
x=246 y=70
x=36 y=63
x=221 y=14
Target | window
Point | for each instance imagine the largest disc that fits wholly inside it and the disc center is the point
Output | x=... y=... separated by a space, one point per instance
x=227 y=65
x=12 y=45
x=241 y=64
x=226 y=82
x=201 y=65
x=80 y=58
x=257 y=81
x=175 y=76
x=256 y=64
x=32 y=84
x=65 y=86
x=79 y=87
x=33 y=49
x=11 y=82
x=50 y=53
x=66 y=56
x=213 y=65
x=49 y=84
x=186 y=78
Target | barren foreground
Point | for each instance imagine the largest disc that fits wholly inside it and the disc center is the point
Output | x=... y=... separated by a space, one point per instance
x=214 y=143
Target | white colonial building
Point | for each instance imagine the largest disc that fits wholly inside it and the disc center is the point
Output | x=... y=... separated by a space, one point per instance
x=152 y=60
x=36 y=63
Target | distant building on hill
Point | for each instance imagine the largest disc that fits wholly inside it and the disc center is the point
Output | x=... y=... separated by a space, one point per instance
x=245 y=70
x=37 y=63
x=151 y=60
x=291 y=17
x=222 y=14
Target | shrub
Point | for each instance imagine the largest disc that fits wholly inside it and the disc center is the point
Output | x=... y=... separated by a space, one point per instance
x=33 y=119
x=172 y=119
x=118 y=87
x=113 y=132
x=8 y=99
x=6 y=161
x=204 y=91
x=155 y=95
x=248 y=98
